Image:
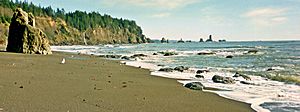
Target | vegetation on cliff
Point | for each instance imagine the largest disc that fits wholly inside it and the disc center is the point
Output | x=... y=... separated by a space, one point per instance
x=74 y=27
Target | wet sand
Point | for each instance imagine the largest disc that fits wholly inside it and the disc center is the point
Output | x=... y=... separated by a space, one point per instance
x=36 y=83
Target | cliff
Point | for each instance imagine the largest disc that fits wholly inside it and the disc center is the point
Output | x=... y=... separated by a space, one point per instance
x=74 y=28
x=24 y=37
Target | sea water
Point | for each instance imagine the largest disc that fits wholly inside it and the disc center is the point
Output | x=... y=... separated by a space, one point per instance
x=273 y=60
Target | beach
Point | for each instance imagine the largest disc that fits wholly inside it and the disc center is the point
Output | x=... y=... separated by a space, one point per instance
x=40 y=83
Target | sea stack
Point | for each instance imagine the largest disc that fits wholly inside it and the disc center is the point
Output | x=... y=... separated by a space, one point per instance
x=24 y=37
x=180 y=41
x=209 y=39
x=201 y=40
x=163 y=40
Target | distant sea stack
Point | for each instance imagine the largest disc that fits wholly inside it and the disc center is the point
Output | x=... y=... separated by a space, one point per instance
x=180 y=41
x=201 y=40
x=24 y=37
x=209 y=39
x=222 y=40
x=163 y=40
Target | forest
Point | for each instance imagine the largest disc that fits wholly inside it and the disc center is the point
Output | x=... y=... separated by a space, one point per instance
x=80 y=20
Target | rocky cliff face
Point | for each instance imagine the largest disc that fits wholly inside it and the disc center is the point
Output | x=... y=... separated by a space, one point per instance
x=24 y=37
x=60 y=32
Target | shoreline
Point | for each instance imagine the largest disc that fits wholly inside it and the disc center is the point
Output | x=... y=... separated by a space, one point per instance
x=251 y=94
x=157 y=85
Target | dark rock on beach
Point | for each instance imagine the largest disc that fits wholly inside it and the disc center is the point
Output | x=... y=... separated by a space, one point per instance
x=111 y=56
x=270 y=69
x=138 y=55
x=247 y=83
x=199 y=76
x=242 y=75
x=201 y=71
x=194 y=86
x=166 y=69
x=155 y=54
x=24 y=37
x=206 y=53
x=125 y=58
x=252 y=51
x=225 y=80
x=168 y=53
x=181 y=68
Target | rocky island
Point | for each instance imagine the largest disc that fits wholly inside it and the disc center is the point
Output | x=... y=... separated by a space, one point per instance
x=24 y=37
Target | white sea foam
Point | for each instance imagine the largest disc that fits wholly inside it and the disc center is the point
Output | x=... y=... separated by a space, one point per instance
x=263 y=90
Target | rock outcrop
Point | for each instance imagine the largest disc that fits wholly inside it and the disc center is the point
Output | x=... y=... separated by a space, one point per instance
x=166 y=70
x=201 y=40
x=194 y=86
x=163 y=40
x=168 y=53
x=225 y=80
x=24 y=37
x=242 y=75
x=209 y=39
x=180 y=41
x=181 y=68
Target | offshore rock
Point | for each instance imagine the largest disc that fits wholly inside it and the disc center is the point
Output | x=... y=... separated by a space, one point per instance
x=24 y=37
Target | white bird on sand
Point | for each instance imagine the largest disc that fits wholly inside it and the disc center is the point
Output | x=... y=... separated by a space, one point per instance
x=63 y=61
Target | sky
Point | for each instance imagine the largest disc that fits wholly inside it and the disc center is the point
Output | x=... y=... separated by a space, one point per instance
x=234 y=20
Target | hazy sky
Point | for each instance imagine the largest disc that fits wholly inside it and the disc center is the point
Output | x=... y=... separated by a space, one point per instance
x=194 y=19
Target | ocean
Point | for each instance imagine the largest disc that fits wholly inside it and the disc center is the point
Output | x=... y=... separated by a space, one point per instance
x=273 y=66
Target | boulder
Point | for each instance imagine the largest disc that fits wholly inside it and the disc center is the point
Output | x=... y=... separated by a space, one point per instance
x=24 y=37
x=181 y=68
x=225 y=80
x=194 y=86
x=168 y=53
x=111 y=56
x=242 y=75
x=206 y=53
x=199 y=76
x=201 y=71
x=138 y=55
x=270 y=69
x=229 y=56
x=252 y=51
x=125 y=58
x=166 y=69
x=155 y=54
x=247 y=83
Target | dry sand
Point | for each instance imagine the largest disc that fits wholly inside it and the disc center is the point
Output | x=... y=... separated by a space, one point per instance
x=36 y=83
